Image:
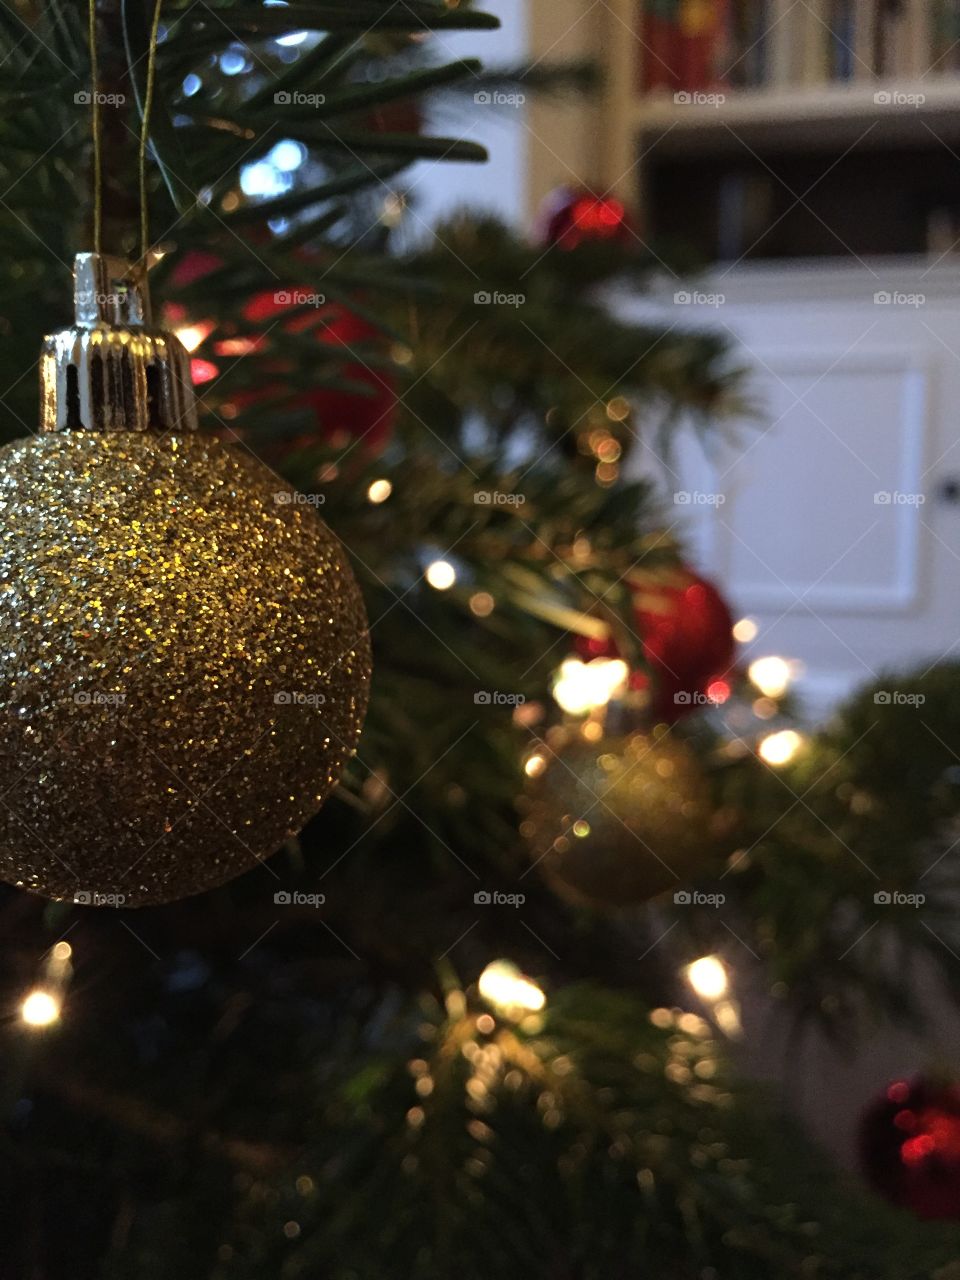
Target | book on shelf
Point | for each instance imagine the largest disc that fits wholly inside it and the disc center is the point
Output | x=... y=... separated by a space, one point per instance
x=704 y=46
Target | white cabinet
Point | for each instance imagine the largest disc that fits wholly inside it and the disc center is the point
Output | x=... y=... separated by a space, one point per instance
x=833 y=519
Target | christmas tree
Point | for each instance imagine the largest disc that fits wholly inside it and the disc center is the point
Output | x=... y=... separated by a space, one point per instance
x=477 y=1016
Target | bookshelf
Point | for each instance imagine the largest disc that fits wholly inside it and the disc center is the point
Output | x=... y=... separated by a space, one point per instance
x=729 y=103
x=704 y=45
x=845 y=316
x=806 y=105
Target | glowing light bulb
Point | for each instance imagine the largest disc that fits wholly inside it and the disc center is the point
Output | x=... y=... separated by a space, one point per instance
x=192 y=335
x=771 y=675
x=708 y=977
x=583 y=686
x=379 y=491
x=745 y=630
x=58 y=964
x=535 y=765
x=441 y=575
x=40 y=1009
x=505 y=987
x=718 y=692
x=780 y=748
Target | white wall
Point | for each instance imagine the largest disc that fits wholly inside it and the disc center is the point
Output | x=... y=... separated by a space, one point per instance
x=438 y=187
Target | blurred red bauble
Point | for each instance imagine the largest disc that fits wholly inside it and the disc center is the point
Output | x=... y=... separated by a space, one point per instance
x=193 y=266
x=686 y=631
x=342 y=416
x=571 y=217
x=910 y=1147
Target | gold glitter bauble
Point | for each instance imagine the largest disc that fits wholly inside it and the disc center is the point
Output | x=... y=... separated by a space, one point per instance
x=618 y=821
x=185 y=664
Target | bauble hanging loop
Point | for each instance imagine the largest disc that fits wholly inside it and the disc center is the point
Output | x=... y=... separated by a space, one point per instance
x=112 y=371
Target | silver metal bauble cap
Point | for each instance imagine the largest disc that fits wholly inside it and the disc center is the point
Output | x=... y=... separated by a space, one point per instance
x=112 y=371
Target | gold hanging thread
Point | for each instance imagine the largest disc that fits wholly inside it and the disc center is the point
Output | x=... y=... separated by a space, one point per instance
x=96 y=131
x=145 y=128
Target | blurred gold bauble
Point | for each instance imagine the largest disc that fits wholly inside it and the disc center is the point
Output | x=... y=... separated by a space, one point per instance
x=618 y=821
x=185 y=664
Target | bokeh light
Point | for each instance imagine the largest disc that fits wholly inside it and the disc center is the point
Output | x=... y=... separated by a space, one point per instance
x=40 y=1009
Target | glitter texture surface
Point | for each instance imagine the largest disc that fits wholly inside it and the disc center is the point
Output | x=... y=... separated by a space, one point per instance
x=620 y=820
x=185 y=665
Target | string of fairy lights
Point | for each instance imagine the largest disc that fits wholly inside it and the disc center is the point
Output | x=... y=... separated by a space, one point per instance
x=581 y=690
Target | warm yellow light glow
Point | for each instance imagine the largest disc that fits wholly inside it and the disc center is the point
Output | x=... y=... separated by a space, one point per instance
x=728 y=1018
x=504 y=986
x=580 y=687
x=535 y=765
x=238 y=346
x=192 y=335
x=441 y=575
x=780 y=748
x=58 y=964
x=771 y=675
x=708 y=977
x=40 y=1009
x=745 y=630
x=482 y=604
x=380 y=491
